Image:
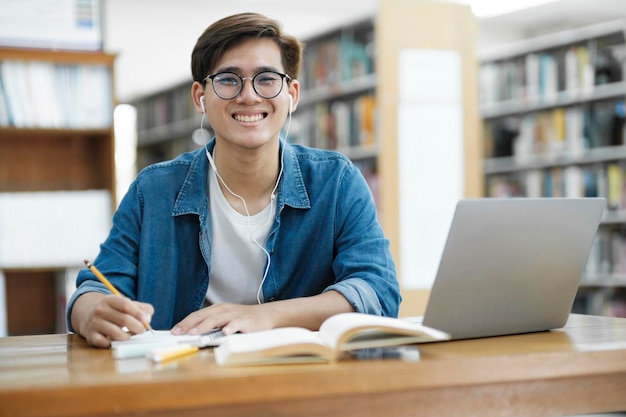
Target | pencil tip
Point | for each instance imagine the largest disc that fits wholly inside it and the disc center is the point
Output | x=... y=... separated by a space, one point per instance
x=86 y=262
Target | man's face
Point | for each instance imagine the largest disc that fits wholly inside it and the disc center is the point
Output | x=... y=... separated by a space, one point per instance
x=248 y=120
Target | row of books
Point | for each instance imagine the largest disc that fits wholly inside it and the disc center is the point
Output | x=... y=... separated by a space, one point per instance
x=165 y=108
x=604 y=302
x=561 y=130
x=342 y=57
x=572 y=69
x=606 y=180
x=608 y=254
x=338 y=124
x=39 y=94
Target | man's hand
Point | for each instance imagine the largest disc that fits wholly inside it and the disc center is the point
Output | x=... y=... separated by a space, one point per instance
x=231 y=318
x=100 y=318
x=307 y=312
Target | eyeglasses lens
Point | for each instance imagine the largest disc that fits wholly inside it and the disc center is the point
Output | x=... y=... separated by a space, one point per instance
x=228 y=85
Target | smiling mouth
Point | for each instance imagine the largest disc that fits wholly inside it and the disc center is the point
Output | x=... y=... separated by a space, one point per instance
x=248 y=119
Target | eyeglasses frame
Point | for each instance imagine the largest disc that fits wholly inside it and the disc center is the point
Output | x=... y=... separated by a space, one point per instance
x=243 y=80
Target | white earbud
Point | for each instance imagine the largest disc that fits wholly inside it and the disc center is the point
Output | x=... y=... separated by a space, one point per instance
x=202 y=104
x=290 y=103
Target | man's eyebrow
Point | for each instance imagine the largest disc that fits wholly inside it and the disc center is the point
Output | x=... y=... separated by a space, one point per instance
x=239 y=71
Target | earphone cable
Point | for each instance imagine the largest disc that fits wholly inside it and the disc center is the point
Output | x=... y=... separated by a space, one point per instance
x=245 y=206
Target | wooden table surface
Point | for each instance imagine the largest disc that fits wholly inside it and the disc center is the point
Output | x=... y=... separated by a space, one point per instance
x=575 y=370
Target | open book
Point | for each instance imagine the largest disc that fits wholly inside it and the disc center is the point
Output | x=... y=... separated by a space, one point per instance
x=338 y=334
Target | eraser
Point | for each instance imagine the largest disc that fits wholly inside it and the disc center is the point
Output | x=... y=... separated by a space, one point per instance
x=138 y=350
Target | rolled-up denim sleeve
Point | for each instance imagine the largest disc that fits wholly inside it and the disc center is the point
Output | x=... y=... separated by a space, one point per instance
x=364 y=268
x=88 y=285
x=360 y=295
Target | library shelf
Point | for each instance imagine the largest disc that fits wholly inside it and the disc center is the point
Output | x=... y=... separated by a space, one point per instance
x=57 y=177
x=554 y=123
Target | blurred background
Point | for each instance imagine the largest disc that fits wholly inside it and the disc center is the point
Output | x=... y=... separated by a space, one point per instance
x=433 y=100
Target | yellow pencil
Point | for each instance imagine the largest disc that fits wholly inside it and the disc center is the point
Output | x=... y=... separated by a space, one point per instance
x=110 y=286
x=167 y=353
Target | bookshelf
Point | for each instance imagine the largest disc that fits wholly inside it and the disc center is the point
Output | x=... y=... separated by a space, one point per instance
x=338 y=106
x=445 y=33
x=350 y=102
x=57 y=178
x=553 y=123
x=166 y=121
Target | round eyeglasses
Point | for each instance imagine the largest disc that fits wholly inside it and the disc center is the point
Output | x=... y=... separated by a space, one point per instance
x=228 y=85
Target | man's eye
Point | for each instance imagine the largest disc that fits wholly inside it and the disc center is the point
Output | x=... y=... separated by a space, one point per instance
x=228 y=81
x=268 y=80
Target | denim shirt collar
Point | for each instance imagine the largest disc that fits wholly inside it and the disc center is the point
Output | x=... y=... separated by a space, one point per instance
x=192 y=199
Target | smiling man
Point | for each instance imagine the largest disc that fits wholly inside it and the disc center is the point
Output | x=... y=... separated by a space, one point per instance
x=249 y=232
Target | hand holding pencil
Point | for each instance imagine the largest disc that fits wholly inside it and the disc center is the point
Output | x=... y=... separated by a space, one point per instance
x=110 y=286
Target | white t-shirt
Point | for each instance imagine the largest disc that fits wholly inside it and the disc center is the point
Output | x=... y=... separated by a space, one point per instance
x=237 y=262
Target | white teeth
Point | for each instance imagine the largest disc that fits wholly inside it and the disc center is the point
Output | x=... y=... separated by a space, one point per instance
x=242 y=118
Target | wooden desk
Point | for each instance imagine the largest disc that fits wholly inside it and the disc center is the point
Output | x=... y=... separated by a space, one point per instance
x=578 y=369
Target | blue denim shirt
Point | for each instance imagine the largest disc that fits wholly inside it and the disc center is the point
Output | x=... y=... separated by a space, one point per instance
x=326 y=236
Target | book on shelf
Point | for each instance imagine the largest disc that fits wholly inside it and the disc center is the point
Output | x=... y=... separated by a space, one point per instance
x=540 y=75
x=338 y=58
x=40 y=94
x=6 y=116
x=607 y=301
x=336 y=336
x=562 y=131
x=365 y=119
x=574 y=181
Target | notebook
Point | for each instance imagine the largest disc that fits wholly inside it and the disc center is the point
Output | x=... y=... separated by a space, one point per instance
x=512 y=265
x=140 y=345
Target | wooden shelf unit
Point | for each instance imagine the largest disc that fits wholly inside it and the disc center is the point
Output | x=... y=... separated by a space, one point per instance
x=73 y=154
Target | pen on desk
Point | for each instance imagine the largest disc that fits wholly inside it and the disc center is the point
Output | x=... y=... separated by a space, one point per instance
x=110 y=286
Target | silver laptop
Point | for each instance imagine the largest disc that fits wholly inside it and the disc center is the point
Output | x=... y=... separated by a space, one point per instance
x=512 y=265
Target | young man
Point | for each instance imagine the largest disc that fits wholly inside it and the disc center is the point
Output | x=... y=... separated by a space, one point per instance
x=249 y=232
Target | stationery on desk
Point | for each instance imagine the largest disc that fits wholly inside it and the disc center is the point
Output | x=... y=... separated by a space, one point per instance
x=337 y=335
x=140 y=345
x=157 y=346
x=168 y=353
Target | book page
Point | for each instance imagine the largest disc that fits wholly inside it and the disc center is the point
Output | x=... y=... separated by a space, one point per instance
x=354 y=330
x=268 y=339
x=281 y=345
